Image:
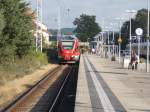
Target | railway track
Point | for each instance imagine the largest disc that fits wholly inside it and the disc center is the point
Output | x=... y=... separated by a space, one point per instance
x=43 y=96
x=65 y=99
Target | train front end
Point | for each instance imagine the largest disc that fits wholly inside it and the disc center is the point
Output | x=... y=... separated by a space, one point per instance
x=68 y=51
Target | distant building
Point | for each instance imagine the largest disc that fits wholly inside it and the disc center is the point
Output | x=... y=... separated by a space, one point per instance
x=53 y=38
x=44 y=31
x=42 y=28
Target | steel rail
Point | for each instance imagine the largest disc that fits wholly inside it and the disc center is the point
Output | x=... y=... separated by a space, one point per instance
x=60 y=90
x=25 y=94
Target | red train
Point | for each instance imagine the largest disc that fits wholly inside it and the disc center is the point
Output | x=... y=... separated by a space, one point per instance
x=68 y=50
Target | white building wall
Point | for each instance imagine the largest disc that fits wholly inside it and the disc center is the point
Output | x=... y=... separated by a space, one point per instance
x=44 y=31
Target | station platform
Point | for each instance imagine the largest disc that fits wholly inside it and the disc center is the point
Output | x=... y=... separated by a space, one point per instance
x=104 y=86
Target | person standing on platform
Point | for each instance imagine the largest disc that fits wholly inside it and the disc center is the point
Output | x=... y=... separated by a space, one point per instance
x=133 y=61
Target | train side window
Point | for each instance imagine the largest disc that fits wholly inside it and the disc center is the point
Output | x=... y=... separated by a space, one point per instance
x=141 y=47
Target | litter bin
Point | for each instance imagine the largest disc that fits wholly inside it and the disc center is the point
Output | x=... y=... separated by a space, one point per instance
x=126 y=61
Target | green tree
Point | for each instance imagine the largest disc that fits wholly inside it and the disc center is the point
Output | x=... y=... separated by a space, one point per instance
x=86 y=27
x=2 y=22
x=5 y=48
x=17 y=35
x=116 y=36
x=140 y=21
x=125 y=32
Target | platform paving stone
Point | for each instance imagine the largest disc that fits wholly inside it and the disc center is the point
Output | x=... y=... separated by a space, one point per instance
x=131 y=87
x=83 y=102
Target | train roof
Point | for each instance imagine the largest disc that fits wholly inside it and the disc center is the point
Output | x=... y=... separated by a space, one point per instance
x=68 y=38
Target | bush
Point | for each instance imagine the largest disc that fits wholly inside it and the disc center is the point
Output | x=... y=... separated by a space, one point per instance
x=42 y=58
x=21 y=67
x=142 y=60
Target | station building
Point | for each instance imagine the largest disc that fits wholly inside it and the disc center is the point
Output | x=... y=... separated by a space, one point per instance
x=42 y=29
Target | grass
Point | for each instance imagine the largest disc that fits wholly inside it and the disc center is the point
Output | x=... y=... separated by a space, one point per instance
x=22 y=67
x=13 y=88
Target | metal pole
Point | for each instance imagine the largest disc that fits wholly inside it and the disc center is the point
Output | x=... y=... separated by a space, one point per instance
x=113 y=42
x=97 y=45
x=41 y=2
x=119 y=37
x=147 y=65
x=38 y=28
x=37 y=20
x=130 y=39
x=108 y=43
x=103 y=39
x=102 y=53
x=59 y=24
x=139 y=46
x=68 y=10
x=147 y=55
x=119 y=51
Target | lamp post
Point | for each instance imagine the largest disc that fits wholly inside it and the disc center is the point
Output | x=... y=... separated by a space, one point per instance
x=130 y=31
x=102 y=39
x=98 y=40
x=108 y=33
x=147 y=65
x=139 y=32
x=108 y=41
x=102 y=34
x=103 y=26
x=108 y=37
x=112 y=24
x=113 y=43
x=119 y=39
x=58 y=25
x=38 y=28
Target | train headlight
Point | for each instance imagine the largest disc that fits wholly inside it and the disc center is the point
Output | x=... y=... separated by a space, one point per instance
x=76 y=57
x=72 y=56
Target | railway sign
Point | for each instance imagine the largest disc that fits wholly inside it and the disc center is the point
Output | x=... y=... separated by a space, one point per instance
x=119 y=40
x=139 y=31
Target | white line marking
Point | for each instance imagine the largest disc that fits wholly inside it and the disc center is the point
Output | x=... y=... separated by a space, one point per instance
x=101 y=93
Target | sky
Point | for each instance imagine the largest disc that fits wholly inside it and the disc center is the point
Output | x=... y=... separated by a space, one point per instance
x=104 y=10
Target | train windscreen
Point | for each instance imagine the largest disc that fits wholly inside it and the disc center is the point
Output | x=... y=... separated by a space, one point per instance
x=67 y=45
